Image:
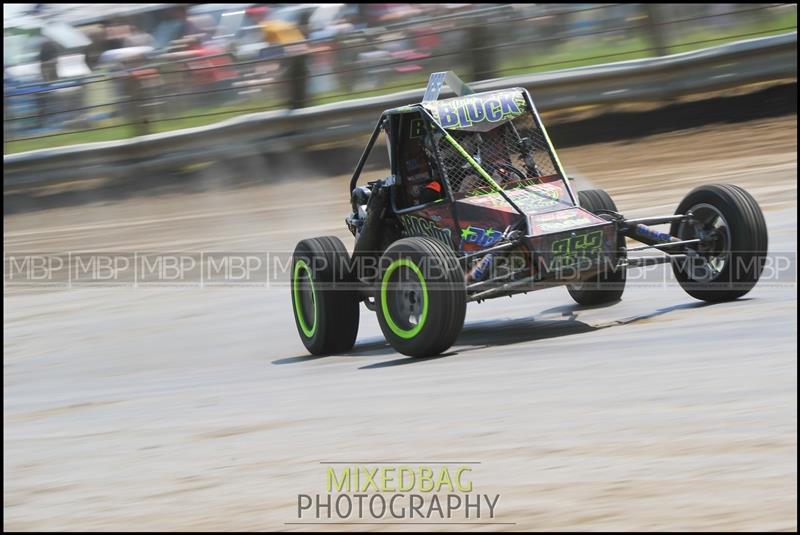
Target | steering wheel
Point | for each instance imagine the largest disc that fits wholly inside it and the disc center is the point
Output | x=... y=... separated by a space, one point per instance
x=509 y=169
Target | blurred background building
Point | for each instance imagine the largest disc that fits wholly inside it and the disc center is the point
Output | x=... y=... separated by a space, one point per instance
x=77 y=73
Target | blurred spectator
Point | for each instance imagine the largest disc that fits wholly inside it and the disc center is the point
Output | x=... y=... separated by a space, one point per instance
x=92 y=53
x=276 y=31
x=203 y=24
x=139 y=38
x=331 y=20
x=102 y=39
x=48 y=60
x=48 y=65
x=176 y=25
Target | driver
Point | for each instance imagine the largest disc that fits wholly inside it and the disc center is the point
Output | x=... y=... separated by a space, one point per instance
x=422 y=184
x=490 y=152
x=431 y=191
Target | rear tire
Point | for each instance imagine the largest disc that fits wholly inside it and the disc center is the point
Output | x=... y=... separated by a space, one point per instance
x=607 y=285
x=422 y=299
x=324 y=298
x=729 y=263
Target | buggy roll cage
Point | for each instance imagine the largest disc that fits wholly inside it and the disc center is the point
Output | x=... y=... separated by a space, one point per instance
x=435 y=83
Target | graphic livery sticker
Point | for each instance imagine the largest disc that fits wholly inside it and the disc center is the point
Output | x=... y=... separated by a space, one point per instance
x=569 y=250
x=532 y=198
x=562 y=220
x=479 y=236
x=418 y=226
x=481 y=113
x=564 y=224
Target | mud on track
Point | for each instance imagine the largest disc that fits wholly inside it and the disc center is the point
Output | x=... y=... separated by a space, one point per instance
x=199 y=409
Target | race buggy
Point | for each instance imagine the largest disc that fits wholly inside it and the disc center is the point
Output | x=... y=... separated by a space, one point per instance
x=478 y=206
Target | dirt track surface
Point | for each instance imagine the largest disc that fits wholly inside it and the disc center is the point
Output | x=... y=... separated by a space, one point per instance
x=189 y=408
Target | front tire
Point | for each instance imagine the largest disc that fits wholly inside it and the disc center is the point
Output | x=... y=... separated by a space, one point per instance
x=729 y=260
x=607 y=285
x=421 y=300
x=324 y=299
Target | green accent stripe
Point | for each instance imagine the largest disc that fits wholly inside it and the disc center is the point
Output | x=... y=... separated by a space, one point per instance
x=402 y=333
x=483 y=173
x=486 y=176
x=308 y=331
x=553 y=151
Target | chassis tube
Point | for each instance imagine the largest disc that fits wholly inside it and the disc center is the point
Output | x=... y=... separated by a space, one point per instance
x=647 y=235
x=507 y=288
x=665 y=245
x=484 y=252
x=656 y=220
x=365 y=154
x=644 y=261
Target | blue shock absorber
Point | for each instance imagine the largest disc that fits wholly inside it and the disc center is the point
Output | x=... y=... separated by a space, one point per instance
x=478 y=272
x=643 y=231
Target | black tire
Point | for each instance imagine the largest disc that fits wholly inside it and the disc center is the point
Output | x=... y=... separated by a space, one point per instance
x=608 y=285
x=327 y=318
x=421 y=300
x=728 y=264
x=596 y=200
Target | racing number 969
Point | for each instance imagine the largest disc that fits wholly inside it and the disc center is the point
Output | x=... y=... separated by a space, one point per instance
x=577 y=246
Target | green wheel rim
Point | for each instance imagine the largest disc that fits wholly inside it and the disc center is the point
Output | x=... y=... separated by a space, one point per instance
x=396 y=329
x=308 y=331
